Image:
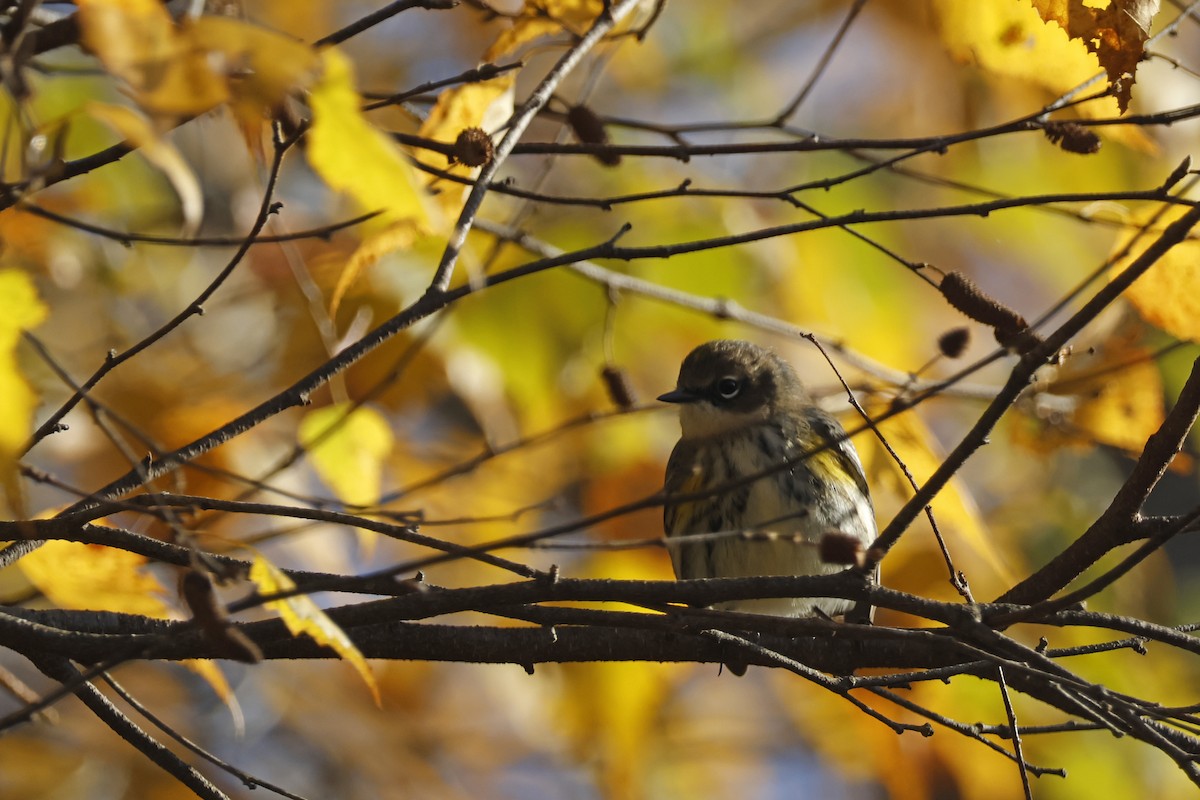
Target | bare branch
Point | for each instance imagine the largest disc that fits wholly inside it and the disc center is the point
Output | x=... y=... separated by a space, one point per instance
x=61 y=670
x=1109 y=530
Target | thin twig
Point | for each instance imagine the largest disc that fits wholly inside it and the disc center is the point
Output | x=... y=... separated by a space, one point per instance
x=822 y=63
x=969 y=731
x=61 y=670
x=250 y=781
x=520 y=120
x=1124 y=509
x=195 y=307
x=1018 y=750
x=369 y=21
x=1021 y=374
x=814 y=676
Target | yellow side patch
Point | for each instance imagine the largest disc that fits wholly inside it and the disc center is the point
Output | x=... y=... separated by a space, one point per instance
x=825 y=465
x=681 y=516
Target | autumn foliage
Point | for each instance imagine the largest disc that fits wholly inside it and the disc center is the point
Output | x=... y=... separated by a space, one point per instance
x=328 y=336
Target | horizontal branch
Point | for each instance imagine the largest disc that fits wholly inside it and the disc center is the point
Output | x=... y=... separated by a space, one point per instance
x=685 y=151
x=680 y=602
x=391 y=629
x=839 y=650
x=105 y=635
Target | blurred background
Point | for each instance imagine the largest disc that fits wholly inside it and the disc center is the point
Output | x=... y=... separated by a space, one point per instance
x=494 y=418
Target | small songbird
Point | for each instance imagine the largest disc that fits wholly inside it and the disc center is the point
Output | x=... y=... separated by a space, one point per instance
x=743 y=410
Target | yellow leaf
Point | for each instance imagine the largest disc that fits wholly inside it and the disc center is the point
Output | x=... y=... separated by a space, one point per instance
x=1112 y=394
x=302 y=616
x=955 y=511
x=212 y=675
x=94 y=577
x=1009 y=39
x=352 y=156
x=1168 y=294
x=543 y=18
x=20 y=309
x=576 y=15
x=1124 y=410
x=261 y=68
x=523 y=31
x=188 y=70
x=307 y=20
x=485 y=105
x=137 y=41
x=612 y=713
x=348 y=448
x=98 y=578
x=269 y=65
x=140 y=133
x=398 y=236
x=1116 y=34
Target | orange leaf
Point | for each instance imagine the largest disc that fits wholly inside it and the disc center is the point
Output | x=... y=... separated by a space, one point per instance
x=1116 y=34
x=137 y=41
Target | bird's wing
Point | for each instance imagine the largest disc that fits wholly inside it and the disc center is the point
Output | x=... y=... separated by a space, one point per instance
x=684 y=476
x=830 y=432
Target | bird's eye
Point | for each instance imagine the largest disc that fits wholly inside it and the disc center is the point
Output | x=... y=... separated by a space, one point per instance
x=728 y=388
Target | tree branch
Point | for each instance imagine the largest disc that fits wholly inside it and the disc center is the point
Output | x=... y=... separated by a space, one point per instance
x=61 y=670
x=1019 y=380
x=1124 y=512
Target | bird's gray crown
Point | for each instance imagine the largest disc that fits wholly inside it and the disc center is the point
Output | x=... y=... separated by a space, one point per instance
x=734 y=375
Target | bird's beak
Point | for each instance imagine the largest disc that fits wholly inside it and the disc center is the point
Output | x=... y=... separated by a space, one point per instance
x=679 y=396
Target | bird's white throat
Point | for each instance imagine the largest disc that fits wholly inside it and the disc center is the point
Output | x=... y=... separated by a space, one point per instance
x=702 y=420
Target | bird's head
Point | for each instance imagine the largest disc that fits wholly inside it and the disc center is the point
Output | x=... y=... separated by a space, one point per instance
x=726 y=385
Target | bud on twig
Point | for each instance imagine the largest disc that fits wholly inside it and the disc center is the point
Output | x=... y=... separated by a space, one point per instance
x=1010 y=328
x=1177 y=174
x=617 y=384
x=953 y=343
x=1072 y=137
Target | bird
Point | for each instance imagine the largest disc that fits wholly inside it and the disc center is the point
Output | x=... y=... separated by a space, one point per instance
x=742 y=411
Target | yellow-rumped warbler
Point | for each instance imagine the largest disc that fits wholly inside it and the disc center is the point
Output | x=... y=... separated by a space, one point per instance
x=743 y=411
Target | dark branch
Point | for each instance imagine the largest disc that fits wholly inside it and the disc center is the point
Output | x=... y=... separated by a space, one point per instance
x=61 y=670
x=1111 y=529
